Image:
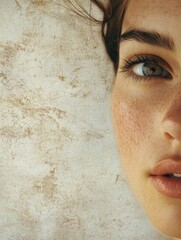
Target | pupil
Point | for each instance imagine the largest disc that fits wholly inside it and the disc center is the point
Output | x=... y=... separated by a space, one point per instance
x=150 y=69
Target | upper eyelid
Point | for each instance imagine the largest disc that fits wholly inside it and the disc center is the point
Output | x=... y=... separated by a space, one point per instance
x=141 y=60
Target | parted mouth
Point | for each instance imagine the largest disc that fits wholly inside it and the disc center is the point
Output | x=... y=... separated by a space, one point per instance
x=166 y=177
x=170 y=168
x=173 y=175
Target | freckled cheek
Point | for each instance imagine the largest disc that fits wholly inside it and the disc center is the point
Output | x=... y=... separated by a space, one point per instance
x=130 y=120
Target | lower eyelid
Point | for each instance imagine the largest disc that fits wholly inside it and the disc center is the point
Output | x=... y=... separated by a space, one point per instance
x=134 y=77
x=142 y=78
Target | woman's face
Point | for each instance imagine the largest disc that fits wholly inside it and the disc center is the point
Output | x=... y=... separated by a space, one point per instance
x=146 y=108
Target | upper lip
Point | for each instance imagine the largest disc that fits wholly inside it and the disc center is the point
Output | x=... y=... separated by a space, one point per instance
x=169 y=165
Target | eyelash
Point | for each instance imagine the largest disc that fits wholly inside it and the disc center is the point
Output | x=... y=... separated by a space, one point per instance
x=129 y=64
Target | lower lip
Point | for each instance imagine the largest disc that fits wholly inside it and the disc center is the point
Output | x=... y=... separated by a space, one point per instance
x=170 y=187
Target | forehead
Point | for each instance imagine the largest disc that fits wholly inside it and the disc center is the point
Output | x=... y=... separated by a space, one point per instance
x=155 y=13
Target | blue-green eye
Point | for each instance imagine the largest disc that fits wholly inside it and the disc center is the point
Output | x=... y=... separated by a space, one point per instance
x=146 y=68
x=150 y=70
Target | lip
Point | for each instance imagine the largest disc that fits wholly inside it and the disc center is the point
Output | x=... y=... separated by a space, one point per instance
x=170 y=187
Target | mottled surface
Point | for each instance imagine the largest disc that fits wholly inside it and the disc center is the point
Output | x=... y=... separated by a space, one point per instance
x=60 y=175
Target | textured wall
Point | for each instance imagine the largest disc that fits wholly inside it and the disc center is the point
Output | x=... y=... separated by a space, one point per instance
x=60 y=175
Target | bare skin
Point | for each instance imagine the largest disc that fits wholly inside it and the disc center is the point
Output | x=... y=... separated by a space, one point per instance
x=146 y=106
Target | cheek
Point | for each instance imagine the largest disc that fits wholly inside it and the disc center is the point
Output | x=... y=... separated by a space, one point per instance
x=131 y=120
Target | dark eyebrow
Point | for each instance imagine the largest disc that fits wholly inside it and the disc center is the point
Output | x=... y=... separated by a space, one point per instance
x=150 y=37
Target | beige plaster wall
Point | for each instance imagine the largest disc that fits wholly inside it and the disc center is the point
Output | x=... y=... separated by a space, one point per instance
x=60 y=174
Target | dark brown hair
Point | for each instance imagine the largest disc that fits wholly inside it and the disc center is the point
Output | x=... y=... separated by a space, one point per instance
x=113 y=16
x=111 y=24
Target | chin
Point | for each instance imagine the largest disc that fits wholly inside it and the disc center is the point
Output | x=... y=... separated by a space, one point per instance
x=168 y=219
x=163 y=211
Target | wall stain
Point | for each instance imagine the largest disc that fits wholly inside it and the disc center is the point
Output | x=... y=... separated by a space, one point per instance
x=74 y=83
x=13 y=47
x=117 y=178
x=71 y=221
x=48 y=186
x=15 y=132
x=3 y=76
x=8 y=59
x=61 y=77
x=33 y=34
x=49 y=142
x=26 y=107
x=18 y=4
x=81 y=94
x=40 y=2
x=92 y=135
x=20 y=112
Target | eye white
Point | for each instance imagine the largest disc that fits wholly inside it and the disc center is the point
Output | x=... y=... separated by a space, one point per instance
x=138 y=69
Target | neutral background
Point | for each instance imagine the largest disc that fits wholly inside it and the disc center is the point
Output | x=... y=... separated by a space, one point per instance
x=60 y=176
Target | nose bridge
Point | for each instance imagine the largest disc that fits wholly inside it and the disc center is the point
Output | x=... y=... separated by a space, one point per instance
x=174 y=108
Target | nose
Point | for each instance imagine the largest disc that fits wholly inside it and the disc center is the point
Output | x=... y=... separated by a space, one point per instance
x=171 y=124
x=172 y=131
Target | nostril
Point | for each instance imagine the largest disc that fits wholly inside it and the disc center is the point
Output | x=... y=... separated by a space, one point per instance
x=168 y=136
x=171 y=130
